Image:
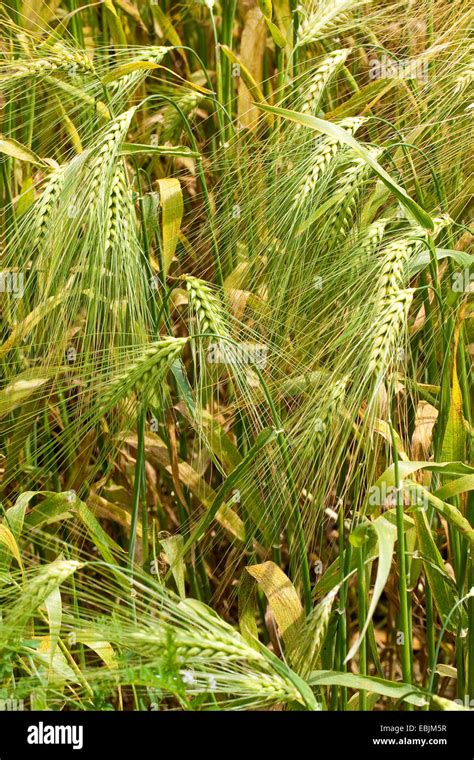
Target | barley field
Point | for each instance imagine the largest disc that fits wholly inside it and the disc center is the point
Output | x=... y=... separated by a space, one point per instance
x=236 y=390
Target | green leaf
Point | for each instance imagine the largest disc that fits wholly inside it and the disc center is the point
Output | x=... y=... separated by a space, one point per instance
x=282 y=598
x=440 y=582
x=407 y=468
x=54 y=508
x=455 y=487
x=98 y=535
x=422 y=259
x=263 y=439
x=115 y=24
x=129 y=68
x=421 y=495
x=454 y=440
x=247 y=77
x=134 y=149
x=173 y=548
x=392 y=689
x=448 y=511
x=53 y=605
x=277 y=36
x=14 y=149
x=172 y=207
x=167 y=28
x=386 y=537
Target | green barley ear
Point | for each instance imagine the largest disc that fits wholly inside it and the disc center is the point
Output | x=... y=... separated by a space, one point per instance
x=393 y=299
x=73 y=57
x=34 y=593
x=373 y=236
x=315 y=432
x=206 y=307
x=106 y=154
x=321 y=77
x=212 y=655
x=349 y=187
x=312 y=636
x=172 y=121
x=395 y=258
x=392 y=310
x=147 y=370
x=367 y=244
x=120 y=222
x=321 y=159
x=126 y=85
x=46 y=205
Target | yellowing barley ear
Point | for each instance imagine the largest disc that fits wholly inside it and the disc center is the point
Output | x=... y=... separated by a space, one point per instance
x=206 y=307
x=58 y=60
x=464 y=80
x=325 y=20
x=321 y=77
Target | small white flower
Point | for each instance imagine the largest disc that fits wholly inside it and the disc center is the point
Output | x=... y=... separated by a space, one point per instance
x=212 y=683
x=188 y=677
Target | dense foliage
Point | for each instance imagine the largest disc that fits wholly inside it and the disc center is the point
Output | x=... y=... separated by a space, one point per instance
x=235 y=354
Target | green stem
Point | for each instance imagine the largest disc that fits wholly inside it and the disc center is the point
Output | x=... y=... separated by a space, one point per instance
x=402 y=569
x=362 y=614
x=137 y=485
